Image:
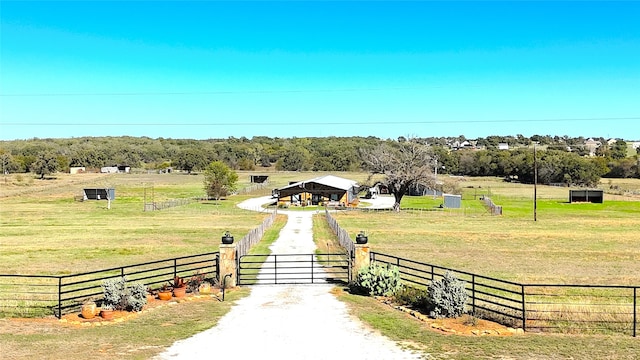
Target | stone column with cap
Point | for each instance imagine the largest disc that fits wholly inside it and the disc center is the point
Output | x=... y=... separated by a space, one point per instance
x=228 y=264
x=362 y=254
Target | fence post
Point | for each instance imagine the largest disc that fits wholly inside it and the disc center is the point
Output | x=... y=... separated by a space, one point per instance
x=635 y=311
x=312 y=267
x=228 y=264
x=473 y=294
x=362 y=257
x=349 y=273
x=59 y=297
x=217 y=259
x=524 y=311
x=175 y=268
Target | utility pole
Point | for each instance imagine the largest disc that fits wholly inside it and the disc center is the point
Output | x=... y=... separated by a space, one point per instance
x=535 y=183
x=435 y=177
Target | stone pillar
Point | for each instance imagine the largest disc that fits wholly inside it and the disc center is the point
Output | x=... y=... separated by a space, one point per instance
x=361 y=258
x=228 y=264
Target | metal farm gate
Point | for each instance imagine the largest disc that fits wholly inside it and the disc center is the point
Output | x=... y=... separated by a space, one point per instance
x=294 y=269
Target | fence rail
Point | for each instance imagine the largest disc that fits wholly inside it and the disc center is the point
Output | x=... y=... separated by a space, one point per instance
x=34 y=295
x=491 y=207
x=161 y=205
x=599 y=309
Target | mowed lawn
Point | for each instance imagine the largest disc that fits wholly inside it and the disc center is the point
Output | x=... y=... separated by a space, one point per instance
x=45 y=231
x=569 y=243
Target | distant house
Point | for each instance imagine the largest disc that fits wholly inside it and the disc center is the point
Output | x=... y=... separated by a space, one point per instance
x=635 y=145
x=503 y=146
x=329 y=189
x=592 y=145
x=457 y=145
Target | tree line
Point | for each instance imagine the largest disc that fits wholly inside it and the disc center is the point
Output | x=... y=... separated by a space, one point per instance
x=560 y=159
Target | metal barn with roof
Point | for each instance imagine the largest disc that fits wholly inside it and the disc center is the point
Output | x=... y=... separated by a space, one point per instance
x=329 y=189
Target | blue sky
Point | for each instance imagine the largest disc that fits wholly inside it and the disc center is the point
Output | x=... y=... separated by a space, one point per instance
x=209 y=69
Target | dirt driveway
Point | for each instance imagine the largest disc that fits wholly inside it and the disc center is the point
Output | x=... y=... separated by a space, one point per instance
x=289 y=321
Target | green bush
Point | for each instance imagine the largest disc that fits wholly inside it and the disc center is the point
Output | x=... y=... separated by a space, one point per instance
x=447 y=297
x=414 y=297
x=377 y=280
x=120 y=297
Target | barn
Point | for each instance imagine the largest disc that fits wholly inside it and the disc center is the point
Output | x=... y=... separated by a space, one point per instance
x=329 y=189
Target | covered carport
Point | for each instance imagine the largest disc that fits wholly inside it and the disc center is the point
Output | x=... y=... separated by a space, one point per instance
x=332 y=189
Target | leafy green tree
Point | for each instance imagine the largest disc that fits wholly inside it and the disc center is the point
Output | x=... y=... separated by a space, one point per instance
x=8 y=163
x=46 y=163
x=219 y=180
x=619 y=150
x=296 y=158
x=190 y=160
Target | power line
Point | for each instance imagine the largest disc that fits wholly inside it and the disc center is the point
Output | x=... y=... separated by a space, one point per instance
x=222 y=92
x=318 y=123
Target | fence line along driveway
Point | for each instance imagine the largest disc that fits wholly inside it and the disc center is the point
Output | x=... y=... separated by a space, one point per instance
x=289 y=321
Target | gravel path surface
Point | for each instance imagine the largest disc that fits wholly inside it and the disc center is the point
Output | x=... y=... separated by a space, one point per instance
x=288 y=321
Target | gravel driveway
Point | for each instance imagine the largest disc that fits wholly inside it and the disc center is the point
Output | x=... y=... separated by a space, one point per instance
x=289 y=321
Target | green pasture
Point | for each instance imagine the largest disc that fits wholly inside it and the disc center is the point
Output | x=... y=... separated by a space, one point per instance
x=569 y=243
x=46 y=231
x=415 y=334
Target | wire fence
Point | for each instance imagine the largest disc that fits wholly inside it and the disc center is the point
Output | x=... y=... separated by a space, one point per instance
x=490 y=206
x=343 y=236
x=254 y=236
x=161 y=205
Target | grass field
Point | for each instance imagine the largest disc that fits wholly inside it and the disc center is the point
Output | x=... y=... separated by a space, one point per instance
x=45 y=231
x=569 y=243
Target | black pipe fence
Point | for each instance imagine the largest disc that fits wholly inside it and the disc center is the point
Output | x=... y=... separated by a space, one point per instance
x=41 y=295
x=596 y=309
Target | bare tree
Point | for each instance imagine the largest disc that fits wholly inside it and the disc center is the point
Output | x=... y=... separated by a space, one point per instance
x=403 y=164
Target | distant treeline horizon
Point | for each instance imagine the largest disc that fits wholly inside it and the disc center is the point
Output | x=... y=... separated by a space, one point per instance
x=561 y=159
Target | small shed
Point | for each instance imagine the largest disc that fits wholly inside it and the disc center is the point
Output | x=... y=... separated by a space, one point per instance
x=588 y=195
x=452 y=201
x=259 y=179
x=99 y=194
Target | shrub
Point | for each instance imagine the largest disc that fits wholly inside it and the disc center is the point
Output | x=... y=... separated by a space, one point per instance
x=377 y=280
x=120 y=297
x=115 y=293
x=447 y=297
x=414 y=297
x=137 y=298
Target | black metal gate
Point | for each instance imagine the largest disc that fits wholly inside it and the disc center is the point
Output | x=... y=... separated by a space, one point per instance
x=294 y=269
